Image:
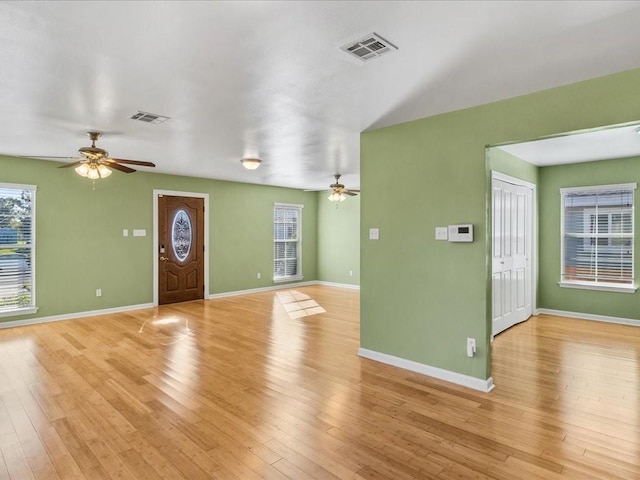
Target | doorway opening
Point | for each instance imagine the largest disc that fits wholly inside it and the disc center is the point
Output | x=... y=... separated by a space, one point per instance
x=591 y=158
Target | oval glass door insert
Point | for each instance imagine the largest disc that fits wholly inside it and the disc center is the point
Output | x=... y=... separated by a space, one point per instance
x=181 y=236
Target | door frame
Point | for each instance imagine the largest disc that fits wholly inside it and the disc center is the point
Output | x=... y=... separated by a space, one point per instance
x=173 y=193
x=534 y=240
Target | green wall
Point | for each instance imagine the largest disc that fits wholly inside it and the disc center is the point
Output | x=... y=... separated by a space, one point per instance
x=80 y=246
x=421 y=298
x=551 y=295
x=504 y=162
x=339 y=240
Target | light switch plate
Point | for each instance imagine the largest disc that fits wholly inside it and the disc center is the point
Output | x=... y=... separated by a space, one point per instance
x=140 y=233
x=374 y=233
x=441 y=233
x=125 y=232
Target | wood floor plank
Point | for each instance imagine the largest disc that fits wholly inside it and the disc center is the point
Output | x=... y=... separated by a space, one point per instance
x=162 y=466
x=236 y=389
x=14 y=457
x=83 y=457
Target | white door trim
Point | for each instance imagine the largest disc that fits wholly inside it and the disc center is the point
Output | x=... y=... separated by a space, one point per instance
x=495 y=175
x=156 y=195
x=512 y=180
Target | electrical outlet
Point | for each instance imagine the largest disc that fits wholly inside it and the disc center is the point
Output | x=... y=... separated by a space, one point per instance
x=258 y=275
x=471 y=347
x=351 y=273
x=98 y=292
x=374 y=233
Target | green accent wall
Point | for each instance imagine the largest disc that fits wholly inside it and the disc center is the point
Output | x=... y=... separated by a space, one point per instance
x=339 y=240
x=504 y=162
x=550 y=294
x=421 y=298
x=80 y=246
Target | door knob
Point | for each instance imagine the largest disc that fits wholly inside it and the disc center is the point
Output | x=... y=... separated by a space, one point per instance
x=164 y=259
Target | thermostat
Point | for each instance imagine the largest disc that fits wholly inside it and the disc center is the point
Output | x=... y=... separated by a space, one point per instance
x=461 y=233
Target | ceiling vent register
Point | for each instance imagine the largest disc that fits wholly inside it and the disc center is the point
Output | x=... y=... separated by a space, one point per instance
x=369 y=47
x=149 y=117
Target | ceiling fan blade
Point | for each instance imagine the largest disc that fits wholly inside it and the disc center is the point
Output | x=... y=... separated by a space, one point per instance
x=349 y=192
x=74 y=164
x=132 y=162
x=46 y=156
x=353 y=190
x=117 y=166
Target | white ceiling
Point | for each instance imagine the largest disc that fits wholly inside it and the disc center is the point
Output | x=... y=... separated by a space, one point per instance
x=246 y=78
x=601 y=144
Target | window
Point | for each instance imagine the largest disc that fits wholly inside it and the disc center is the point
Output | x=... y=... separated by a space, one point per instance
x=597 y=237
x=287 y=242
x=17 y=243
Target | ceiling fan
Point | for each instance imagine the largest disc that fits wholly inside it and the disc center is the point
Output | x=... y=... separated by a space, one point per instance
x=339 y=192
x=95 y=162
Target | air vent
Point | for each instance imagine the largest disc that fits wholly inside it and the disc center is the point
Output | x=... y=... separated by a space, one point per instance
x=369 y=47
x=149 y=117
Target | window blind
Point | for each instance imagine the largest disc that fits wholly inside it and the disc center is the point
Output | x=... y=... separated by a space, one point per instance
x=286 y=241
x=16 y=247
x=598 y=243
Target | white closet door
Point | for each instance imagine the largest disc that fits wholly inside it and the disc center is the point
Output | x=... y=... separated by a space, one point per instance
x=511 y=254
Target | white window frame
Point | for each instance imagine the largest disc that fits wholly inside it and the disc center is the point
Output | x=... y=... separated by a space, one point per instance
x=298 y=275
x=31 y=308
x=597 y=285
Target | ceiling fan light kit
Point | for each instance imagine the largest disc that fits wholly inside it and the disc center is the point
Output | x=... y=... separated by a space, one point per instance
x=95 y=163
x=251 y=163
x=338 y=191
x=82 y=169
x=92 y=171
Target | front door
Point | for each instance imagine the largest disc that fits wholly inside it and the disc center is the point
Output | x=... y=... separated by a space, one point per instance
x=511 y=254
x=180 y=249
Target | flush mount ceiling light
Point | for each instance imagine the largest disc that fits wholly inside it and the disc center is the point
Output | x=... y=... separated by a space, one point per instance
x=250 y=163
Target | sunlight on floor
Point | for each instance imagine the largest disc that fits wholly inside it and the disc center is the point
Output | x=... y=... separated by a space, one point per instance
x=298 y=304
x=166 y=331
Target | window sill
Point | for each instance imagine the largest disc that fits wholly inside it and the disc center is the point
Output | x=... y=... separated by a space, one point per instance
x=293 y=278
x=604 y=287
x=18 y=311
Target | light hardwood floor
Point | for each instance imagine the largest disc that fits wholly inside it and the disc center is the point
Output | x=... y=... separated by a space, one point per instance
x=236 y=389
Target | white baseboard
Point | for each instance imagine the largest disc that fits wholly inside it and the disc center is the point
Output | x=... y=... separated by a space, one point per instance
x=447 y=375
x=211 y=296
x=71 y=316
x=588 y=316
x=339 y=285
